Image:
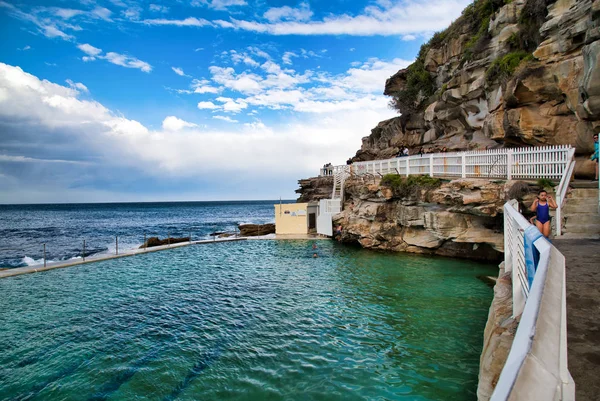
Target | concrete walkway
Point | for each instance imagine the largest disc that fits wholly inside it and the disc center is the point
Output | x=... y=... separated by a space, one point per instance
x=583 y=314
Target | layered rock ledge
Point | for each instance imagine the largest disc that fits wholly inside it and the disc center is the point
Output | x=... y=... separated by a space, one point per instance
x=460 y=218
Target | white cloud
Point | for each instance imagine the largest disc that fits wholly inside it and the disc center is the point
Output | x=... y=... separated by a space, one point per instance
x=199 y=49
x=25 y=159
x=226 y=118
x=50 y=31
x=258 y=52
x=371 y=76
x=133 y=13
x=243 y=57
x=178 y=71
x=127 y=61
x=219 y=4
x=112 y=57
x=78 y=86
x=359 y=87
x=25 y=48
x=244 y=82
x=232 y=106
x=408 y=38
x=45 y=26
x=158 y=8
x=207 y=105
x=286 y=152
x=67 y=13
x=203 y=86
x=286 y=13
x=287 y=57
x=386 y=18
x=102 y=13
x=173 y=123
x=191 y=21
x=89 y=49
x=118 y=3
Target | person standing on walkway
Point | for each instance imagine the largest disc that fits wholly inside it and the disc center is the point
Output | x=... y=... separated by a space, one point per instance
x=596 y=155
x=541 y=206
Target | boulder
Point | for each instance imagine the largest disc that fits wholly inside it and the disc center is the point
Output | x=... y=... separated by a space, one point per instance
x=254 y=230
x=155 y=241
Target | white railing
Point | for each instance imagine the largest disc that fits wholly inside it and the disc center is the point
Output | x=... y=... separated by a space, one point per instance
x=561 y=193
x=536 y=368
x=532 y=162
x=339 y=178
x=551 y=162
x=331 y=170
x=514 y=254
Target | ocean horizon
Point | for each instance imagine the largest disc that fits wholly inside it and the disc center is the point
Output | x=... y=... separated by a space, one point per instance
x=63 y=227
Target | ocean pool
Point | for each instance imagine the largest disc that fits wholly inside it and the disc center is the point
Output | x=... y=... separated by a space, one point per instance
x=249 y=320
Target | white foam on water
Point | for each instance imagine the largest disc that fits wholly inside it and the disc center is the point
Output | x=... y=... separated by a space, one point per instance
x=32 y=262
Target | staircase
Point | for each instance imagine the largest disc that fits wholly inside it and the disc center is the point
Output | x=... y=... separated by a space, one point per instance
x=339 y=176
x=580 y=212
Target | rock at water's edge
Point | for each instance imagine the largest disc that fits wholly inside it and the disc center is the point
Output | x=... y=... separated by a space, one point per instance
x=255 y=230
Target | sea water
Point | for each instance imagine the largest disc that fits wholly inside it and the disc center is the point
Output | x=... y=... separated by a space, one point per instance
x=248 y=320
x=24 y=229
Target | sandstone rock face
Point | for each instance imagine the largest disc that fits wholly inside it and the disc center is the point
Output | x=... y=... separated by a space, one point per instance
x=554 y=99
x=498 y=336
x=461 y=218
x=314 y=189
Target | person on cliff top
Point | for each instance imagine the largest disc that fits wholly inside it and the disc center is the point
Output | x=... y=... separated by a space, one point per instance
x=541 y=206
x=596 y=155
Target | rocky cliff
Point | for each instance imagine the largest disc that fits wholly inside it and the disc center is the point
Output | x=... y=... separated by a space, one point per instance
x=502 y=75
x=460 y=218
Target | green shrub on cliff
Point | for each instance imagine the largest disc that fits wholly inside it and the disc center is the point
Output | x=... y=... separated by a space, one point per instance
x=504 y=67
x=405 y=187
x=420 y=85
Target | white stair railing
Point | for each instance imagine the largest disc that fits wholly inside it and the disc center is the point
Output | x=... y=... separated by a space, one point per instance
x=561 y=191
x=340 y=174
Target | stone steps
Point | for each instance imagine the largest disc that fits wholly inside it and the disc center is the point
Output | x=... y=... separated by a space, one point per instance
x=583 y=193
x=581 y=218
x=576 y=206
x=580 y=213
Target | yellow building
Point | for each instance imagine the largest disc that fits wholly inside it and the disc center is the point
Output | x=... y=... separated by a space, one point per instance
x=295 y=218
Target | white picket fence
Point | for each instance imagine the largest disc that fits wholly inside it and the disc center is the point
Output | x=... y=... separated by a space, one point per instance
x=551 y=162
x=536 y=367
x=526 y=163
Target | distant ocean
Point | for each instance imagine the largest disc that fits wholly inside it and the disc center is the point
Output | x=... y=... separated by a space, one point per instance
x=63 y=227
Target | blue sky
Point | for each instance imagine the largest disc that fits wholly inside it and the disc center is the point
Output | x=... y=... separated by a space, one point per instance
x=124 y=100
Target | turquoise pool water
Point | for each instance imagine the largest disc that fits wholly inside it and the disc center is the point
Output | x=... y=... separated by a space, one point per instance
x=251 y=320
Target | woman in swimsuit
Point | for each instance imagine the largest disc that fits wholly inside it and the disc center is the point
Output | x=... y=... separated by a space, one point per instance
x=542 y=206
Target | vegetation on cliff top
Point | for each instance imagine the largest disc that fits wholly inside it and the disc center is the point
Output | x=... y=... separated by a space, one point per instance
x=473 y=23
x=420 y=84
x=406 y=187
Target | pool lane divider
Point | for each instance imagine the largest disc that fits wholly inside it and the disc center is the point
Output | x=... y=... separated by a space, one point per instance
x=75 y=262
